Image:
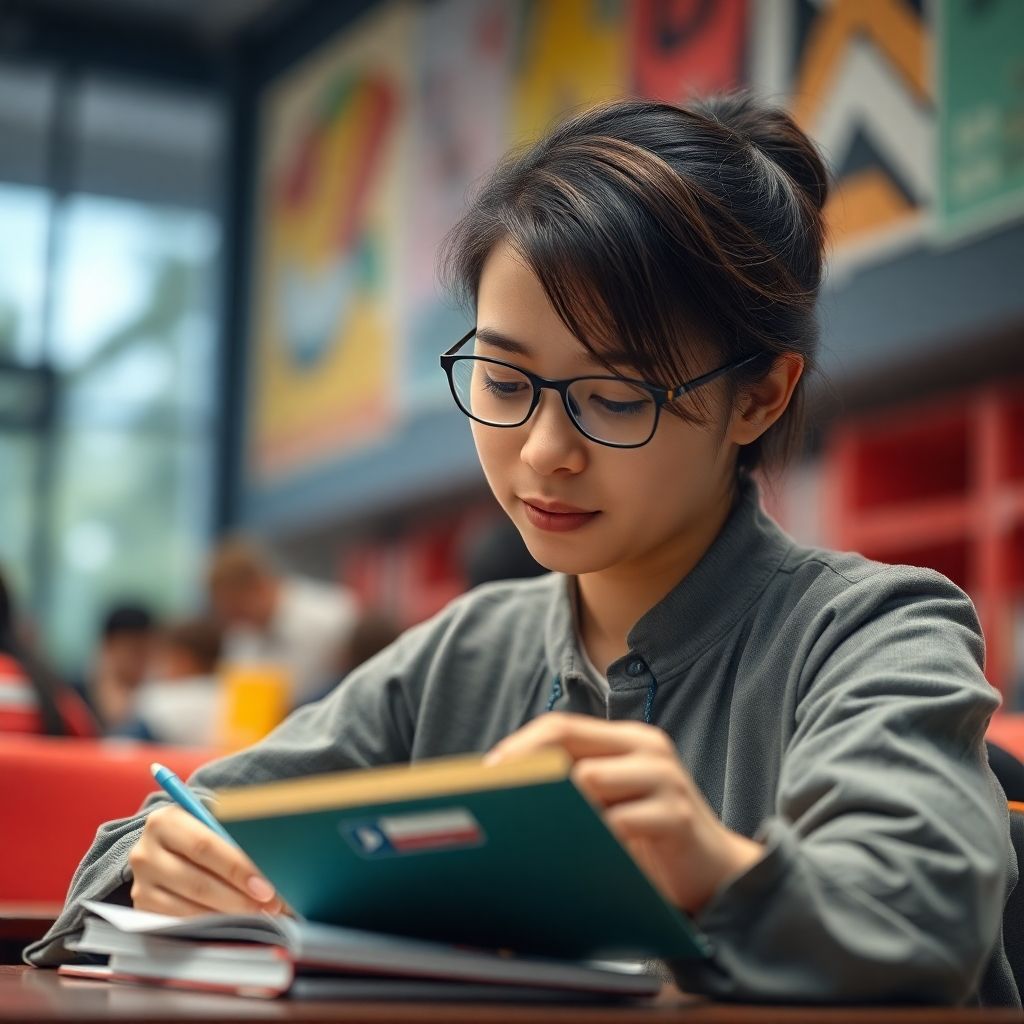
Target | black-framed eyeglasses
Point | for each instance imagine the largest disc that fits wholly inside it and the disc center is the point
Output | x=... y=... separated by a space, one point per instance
x=614 y=411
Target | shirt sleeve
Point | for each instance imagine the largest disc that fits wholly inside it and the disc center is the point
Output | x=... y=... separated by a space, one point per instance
x=888 y=858
x=367 y=720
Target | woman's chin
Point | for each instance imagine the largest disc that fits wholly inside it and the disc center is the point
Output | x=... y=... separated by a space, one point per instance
x=557 y=557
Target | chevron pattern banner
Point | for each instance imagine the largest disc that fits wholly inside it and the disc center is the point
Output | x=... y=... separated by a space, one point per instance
x=369 y=145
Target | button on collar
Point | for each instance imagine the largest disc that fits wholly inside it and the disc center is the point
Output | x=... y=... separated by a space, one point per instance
x=636 y=666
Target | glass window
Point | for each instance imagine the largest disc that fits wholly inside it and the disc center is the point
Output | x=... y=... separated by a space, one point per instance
x=27 y=98
x=18 y=466
x=24 y=214
x=133 y=339
x=112 y=284
x=130 y=521
x=132 y=274
x=137 y=141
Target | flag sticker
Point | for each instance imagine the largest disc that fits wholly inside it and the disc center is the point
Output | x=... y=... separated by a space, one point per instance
x=448 y=829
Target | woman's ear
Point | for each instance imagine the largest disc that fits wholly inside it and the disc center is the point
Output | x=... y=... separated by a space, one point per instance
x=763 y=402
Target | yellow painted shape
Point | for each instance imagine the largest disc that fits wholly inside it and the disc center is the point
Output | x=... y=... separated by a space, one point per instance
x=356 y=364
x=865 y=202
x=572 y=57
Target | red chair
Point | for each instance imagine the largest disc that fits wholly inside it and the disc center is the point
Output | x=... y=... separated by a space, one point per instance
x=55 y=792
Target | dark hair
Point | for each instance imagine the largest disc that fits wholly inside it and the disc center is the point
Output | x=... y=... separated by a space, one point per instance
x=652 y=226
x=201 y=638
x=45 y=684
x=127 y=618
x=373 y=631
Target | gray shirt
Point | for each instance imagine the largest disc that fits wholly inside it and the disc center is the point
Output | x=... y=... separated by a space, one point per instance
x=832 y=707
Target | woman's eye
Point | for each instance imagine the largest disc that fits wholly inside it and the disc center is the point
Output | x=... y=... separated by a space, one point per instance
x=502 y=387
x=621 y=408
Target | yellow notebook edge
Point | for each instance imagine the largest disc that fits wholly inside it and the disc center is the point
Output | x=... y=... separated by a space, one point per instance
x=391 y=783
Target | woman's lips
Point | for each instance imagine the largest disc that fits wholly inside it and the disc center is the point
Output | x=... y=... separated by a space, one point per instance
x=556 y=518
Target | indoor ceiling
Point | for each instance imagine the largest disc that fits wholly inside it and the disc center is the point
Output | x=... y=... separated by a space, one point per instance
x=209 y=21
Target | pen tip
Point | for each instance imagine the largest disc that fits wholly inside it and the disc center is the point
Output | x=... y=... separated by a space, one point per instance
x=154 y=767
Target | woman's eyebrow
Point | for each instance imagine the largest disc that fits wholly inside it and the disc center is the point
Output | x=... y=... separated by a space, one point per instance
x=502 y=341
x=517 y=348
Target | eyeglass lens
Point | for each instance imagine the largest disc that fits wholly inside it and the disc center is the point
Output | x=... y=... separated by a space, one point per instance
x=608 y=410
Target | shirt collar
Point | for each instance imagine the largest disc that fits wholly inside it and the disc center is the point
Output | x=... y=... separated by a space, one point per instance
x=701 y=609
x=560 y=631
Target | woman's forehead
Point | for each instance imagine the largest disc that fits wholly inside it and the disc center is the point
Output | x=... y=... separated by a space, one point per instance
x=528 y=348
x=515 y=312
x=515 y=315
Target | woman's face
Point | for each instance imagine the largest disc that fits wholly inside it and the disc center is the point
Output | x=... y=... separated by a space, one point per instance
x=638 y=504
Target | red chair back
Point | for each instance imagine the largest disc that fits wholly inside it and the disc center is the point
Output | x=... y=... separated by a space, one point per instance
x=54 y=794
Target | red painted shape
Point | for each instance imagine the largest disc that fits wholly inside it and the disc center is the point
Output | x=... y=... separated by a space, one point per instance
x=681 y=47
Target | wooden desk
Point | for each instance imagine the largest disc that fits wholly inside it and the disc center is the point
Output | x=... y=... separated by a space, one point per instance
x=29 y=995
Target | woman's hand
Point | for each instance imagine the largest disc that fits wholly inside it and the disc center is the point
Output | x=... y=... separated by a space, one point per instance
x=183 y=868
x=648 y=800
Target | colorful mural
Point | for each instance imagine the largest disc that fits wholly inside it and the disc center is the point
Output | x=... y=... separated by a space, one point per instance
x=324 y=309
x=372 y=143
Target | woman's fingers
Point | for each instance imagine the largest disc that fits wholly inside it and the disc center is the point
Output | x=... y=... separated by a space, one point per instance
x=582 y=736
x=654 y=818
x=683 y=848
x=192 y=840
x=181 y=858
x=193 y=884
x=160 y=901
x=610 y=780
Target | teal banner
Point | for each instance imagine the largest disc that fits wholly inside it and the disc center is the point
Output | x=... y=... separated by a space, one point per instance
x=980 y=66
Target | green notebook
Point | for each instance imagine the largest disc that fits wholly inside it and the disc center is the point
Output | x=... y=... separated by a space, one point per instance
x=510 y=856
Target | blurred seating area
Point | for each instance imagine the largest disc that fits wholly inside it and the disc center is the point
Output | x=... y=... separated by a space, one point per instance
x=75 y=751
x=231 y=470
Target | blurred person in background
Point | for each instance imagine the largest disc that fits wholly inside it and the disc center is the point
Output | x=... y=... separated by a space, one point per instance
x=269 y=618
x=32 y=698
x=180 y=701
x=374 y=630
x=119 y=664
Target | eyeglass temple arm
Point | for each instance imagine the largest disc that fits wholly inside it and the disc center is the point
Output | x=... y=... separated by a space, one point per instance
x=462 y=341
x=707 y=378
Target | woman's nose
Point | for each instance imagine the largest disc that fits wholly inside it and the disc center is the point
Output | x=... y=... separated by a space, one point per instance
x=553 y=444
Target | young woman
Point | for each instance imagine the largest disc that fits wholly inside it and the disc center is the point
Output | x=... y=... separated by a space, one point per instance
x=789 y=740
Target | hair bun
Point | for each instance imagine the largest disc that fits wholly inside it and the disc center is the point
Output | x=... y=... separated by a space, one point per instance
x=774 y=132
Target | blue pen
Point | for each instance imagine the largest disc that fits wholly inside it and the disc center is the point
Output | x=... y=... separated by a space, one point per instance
x=184 y=797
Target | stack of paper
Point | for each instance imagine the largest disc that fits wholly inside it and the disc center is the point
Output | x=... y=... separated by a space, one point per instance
x=267 y=956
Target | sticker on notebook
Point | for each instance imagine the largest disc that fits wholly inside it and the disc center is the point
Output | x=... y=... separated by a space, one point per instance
x=449 y=829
